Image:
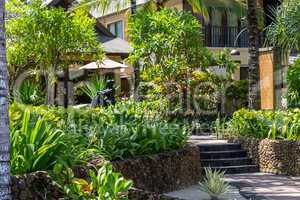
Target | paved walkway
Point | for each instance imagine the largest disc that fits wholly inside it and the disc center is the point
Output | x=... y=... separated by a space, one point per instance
x=194 y=193
x=253 y=186
x=262 y=186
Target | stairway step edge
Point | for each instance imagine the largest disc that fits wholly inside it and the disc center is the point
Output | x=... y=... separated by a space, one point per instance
x=229 y=167
x=228 y=151
x=218 y=144
x=225 y=159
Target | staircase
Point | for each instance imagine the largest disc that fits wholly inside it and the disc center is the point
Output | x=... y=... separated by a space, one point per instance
x=228 y=157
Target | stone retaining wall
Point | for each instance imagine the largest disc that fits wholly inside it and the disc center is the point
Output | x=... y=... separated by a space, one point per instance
x=152 y=176
x=34 y=186
x=250 y=145
x=272 y=156
x=280 y=157
x=162 y=172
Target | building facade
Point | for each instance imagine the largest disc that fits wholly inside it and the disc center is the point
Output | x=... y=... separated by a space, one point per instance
x=224 y=28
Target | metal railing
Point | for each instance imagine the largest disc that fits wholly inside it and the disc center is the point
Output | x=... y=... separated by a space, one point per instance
x=224 y=36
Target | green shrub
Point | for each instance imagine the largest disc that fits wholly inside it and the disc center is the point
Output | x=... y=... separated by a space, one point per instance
x=35 y=145
x=31 y=93
x=105 y=184
x=266 y=124
x=293 y=82
x=132 y=139
x=117 y=132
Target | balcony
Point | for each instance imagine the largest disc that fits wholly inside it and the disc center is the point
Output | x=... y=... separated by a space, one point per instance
x=224 y=36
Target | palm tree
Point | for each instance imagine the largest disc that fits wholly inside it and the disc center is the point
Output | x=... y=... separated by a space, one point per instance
x=253 y=39
x=4 y=120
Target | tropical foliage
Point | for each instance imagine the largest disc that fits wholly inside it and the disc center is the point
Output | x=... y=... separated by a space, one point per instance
x=118 y=132
x=93 y=86
x=104 y=184
x=293 y=80
x=35 y=145
x=50 y=38
x=266 y=124
x=154 y=36
x=179 y=68
x=31 y=92
x=284 y=32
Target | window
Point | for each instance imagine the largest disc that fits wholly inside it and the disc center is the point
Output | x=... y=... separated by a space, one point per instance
x=116 y=28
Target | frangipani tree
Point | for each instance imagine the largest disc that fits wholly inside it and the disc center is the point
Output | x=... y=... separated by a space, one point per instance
x=169 y=46
x=47 y=36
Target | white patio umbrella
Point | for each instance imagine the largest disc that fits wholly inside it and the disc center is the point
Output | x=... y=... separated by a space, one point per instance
x=105 y=64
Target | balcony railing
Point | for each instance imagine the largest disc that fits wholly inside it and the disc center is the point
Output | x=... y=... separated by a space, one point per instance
x=224 y=36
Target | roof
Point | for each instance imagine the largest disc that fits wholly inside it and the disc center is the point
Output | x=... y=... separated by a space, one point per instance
x=117 y=46
x=105 y=64
x=111 y=44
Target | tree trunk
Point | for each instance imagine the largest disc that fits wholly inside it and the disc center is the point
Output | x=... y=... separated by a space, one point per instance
x=135 y=65
x=159 y=4
x=4 y=120
x=51 y=89
x=253 y=34
x=133 y=6
x=66 y=87
x=66 y=68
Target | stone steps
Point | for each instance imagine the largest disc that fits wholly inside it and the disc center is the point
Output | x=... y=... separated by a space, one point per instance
x=226 y=162
x=218 y=147
x=237 y=169
x=228 y=157
x=223 y=154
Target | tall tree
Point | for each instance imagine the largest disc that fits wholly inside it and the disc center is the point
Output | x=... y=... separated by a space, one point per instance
x=253 y=38
x=4 y=120
x=57 y=34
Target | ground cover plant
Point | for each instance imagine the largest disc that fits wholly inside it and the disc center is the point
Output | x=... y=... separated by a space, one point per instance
x=55 y=139
x=281 y=124
x=293 y=79
x=117 y=132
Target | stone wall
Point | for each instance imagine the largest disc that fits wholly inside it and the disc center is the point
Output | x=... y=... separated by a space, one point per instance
x=162 y=172
x=272 y=156
x=250 y=145
x=34 y=186
x=280 y=157
x=152 y=176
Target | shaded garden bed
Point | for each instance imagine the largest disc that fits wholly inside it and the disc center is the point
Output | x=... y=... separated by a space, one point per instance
x=152 y=176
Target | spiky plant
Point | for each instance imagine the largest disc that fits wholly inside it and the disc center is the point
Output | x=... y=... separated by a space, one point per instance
x=214 y=184
x=92 y=87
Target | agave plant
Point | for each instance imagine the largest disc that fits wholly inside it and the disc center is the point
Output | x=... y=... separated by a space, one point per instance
x=214 y=184
x=92 y=87
x=34 y=145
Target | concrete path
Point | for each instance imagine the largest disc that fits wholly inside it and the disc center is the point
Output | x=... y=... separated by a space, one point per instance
x=199 y=140
x=194 y=193
x=262 y=186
